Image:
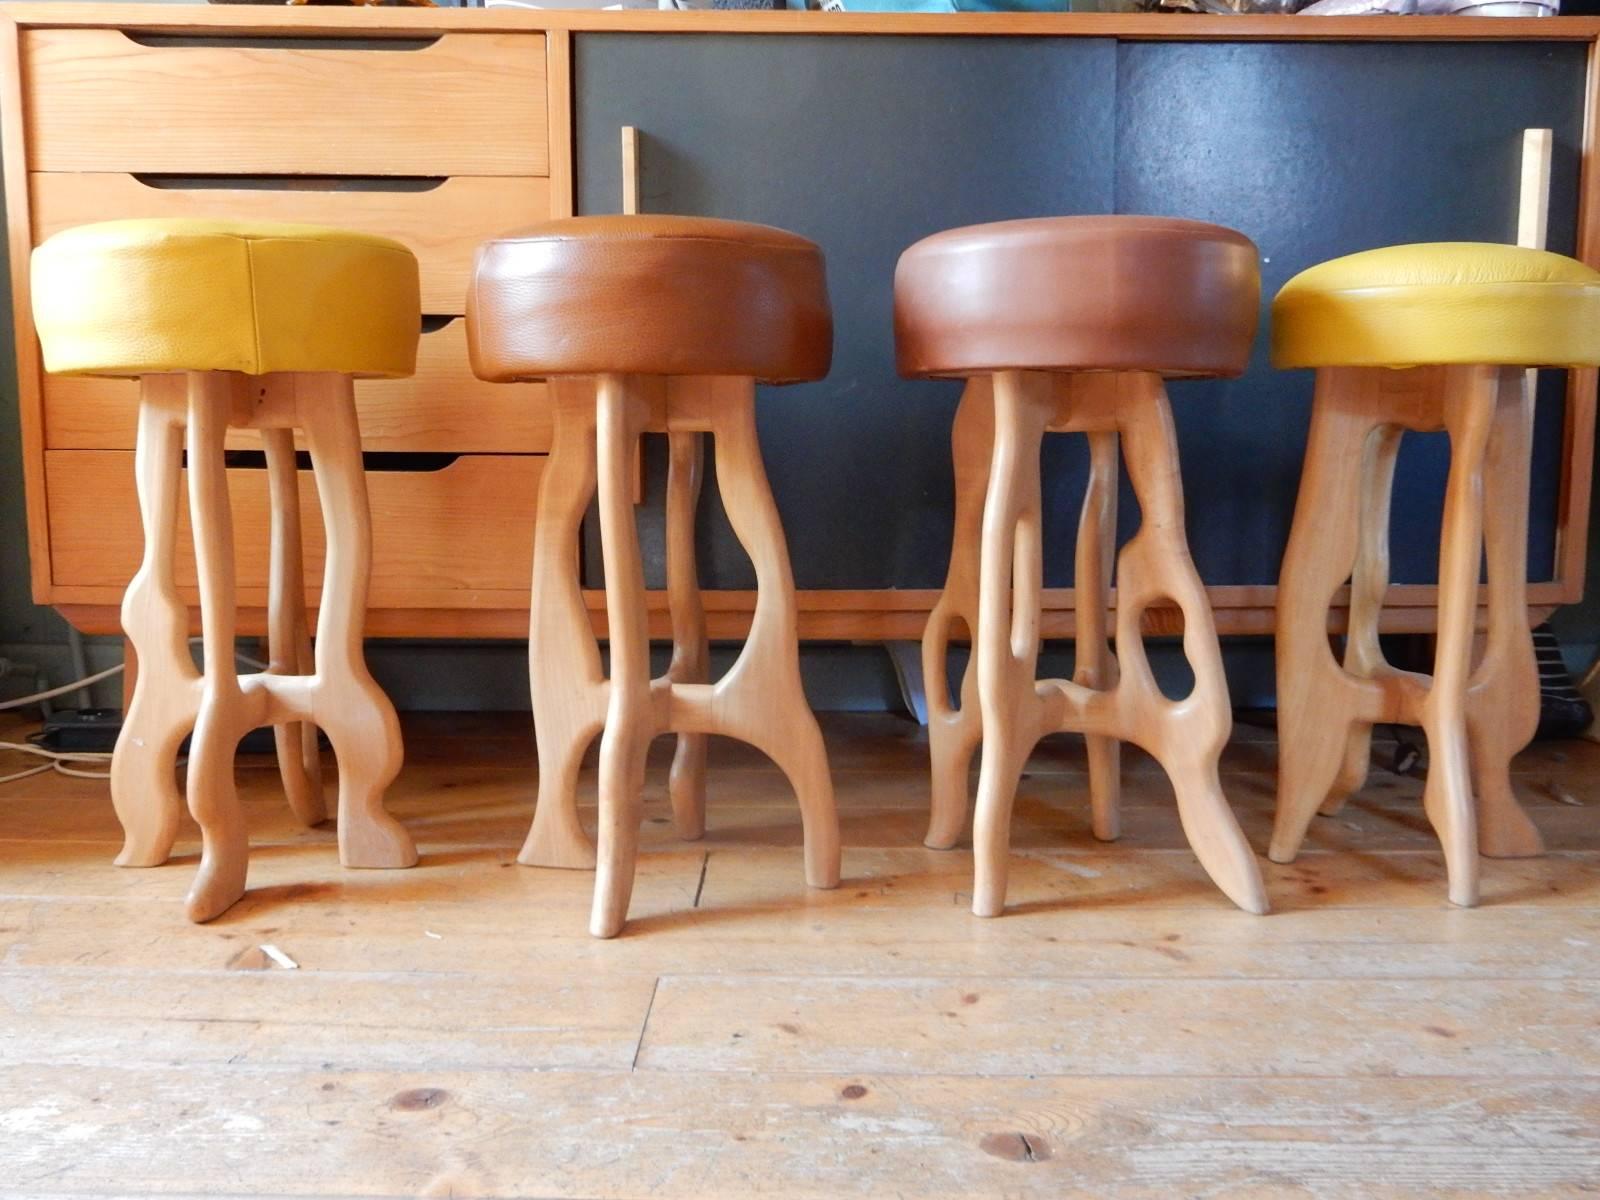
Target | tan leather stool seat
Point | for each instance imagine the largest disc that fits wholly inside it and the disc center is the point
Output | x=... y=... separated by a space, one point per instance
x=1078 y=293
x=650 y=295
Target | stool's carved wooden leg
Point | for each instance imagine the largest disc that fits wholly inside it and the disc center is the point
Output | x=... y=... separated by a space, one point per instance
x=349 y=705
x=1503 y=703
x=166 y=691
x=629 y=713
x=1319 y=703
x=691 y=651
x=1096 y=664
x=1009 y=597
x=288 y=631
x=954 y=732
x=567 y=682
x=760 y=700
x=1369 y=583
x=224 y=714
x=1186 y=736
x=1447 y=796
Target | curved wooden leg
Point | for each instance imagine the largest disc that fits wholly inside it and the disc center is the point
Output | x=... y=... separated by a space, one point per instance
x=1009 y=597
x=166 y=692
x=223 y=716
x=564 y=671
x=1185 y=736
x=954 y=732
x=1369 y=583
x=629 y=716
x=288 y=631
x=1447 y=796
x=760 y=700
x=1503 y=702
x=691 y=651
x=1096 y=665
x=1319 y=703
x=348 y=704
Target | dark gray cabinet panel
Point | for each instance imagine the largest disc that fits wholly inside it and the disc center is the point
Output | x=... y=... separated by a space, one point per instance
x=866 y=144
x=863 y=144
x=1316 y=150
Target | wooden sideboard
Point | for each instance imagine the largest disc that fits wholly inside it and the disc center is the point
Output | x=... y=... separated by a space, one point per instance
x=442 y=127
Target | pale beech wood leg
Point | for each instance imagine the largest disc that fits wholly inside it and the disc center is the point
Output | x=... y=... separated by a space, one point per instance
x=348 y=704
x=691 y=651
x=1503 y=702
x=760 y=700
x=1185 y=736
x=288 y=631
x=629 y=723
x=1007 y=640
x=564 y=671
x=954 y=732
x=1096 y=665
x=1319 y=703
x=1447 y=797
x=166 y=689
x=224 y=713
x=1369 y=583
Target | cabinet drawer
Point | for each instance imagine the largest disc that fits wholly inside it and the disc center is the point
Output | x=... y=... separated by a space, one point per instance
x=443 y=407
x=442 y=220
x=460 y=104
x=440 y=538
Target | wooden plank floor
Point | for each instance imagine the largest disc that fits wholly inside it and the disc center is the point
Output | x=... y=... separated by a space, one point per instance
x=1124 y=1031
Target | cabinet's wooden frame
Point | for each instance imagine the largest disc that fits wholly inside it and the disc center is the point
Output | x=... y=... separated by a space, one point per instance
x=833 y=614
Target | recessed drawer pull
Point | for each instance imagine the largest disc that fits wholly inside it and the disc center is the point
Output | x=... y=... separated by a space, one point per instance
x=289 y=183
x=419 y=462
x=183 y=41
x=434 y=324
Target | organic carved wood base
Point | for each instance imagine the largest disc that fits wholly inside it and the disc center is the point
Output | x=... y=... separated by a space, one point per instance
x=759 y=700
x=1475 y=720
x=300 y=691
x=993 y=586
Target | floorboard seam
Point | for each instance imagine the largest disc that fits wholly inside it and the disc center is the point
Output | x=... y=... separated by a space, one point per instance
x=644 y=1025
x=699 y=888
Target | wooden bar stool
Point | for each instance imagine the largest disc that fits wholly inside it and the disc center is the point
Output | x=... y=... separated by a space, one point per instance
x=241 y=325
x=655 y=324
x=1068 y=325
x=1426 y=337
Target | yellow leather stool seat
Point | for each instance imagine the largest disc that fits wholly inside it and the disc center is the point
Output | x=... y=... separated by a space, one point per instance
x=1440 y=302
x=140 y=297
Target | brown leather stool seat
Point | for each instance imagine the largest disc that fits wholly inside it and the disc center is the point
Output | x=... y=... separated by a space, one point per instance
x=1078 y=293
x=650 y=295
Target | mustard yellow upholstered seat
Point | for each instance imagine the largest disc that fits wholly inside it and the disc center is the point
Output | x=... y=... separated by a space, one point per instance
x=140 y=297
x=1440 y=302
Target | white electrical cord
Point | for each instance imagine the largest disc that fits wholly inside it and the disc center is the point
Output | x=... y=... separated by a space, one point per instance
x=24 y=701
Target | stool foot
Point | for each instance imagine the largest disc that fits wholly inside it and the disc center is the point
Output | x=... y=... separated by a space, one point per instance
x=288 y=637
x=955 y=732
x=214 y=801
x=691 y=651
x=166 y=692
